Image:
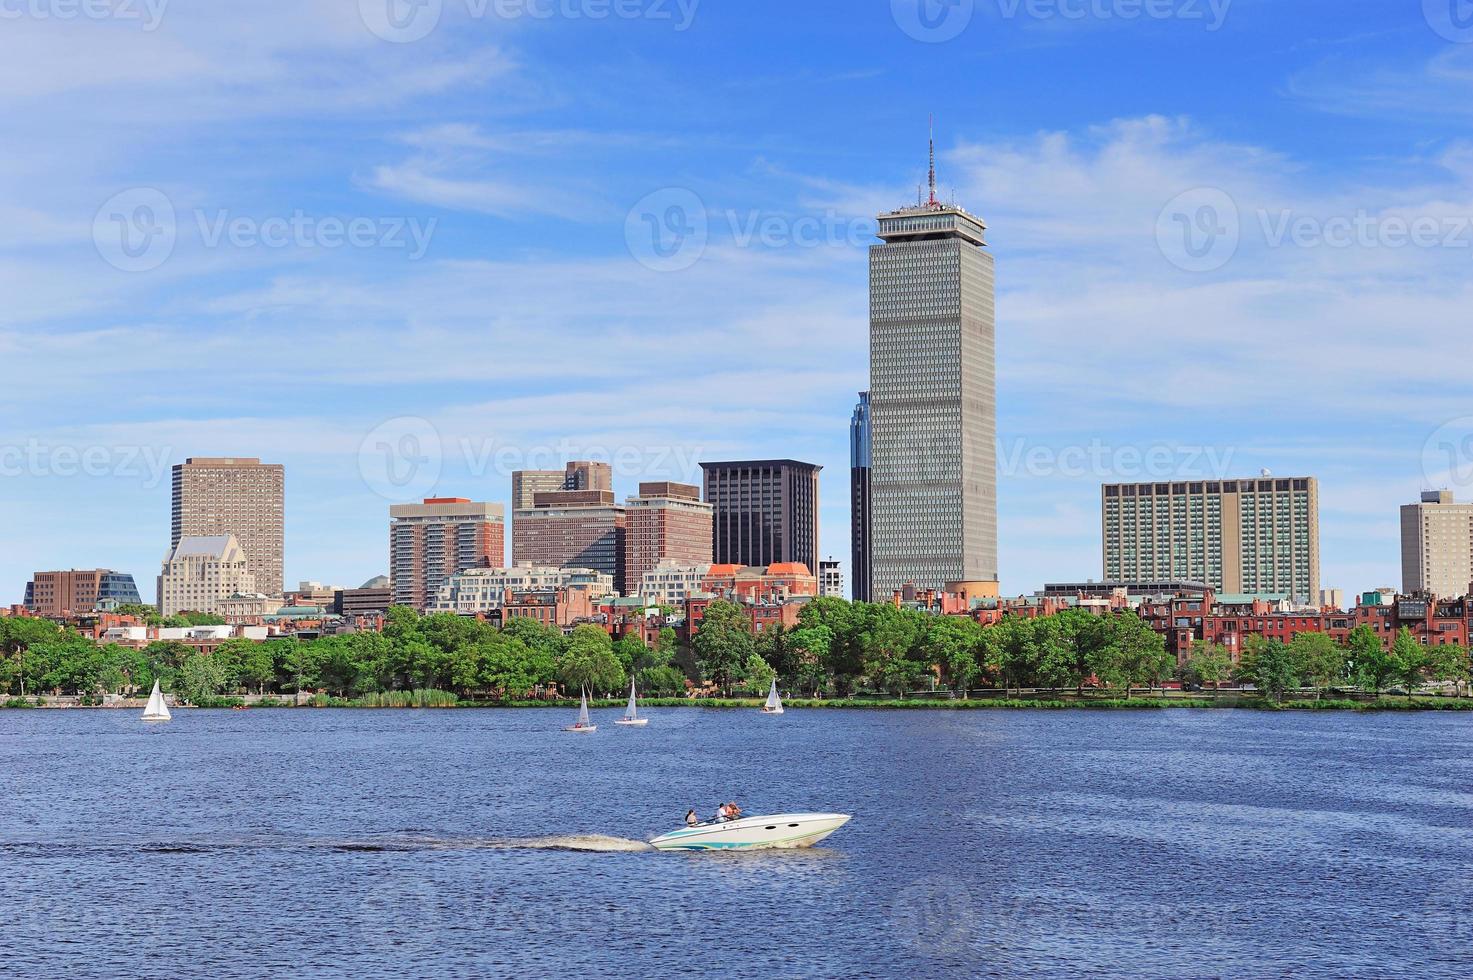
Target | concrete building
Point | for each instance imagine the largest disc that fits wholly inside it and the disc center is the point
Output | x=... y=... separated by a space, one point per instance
x=665 y=522
x=860 y=456
x=577 y=475
x=671 y=582
x=831 y=578
x=242 y=497
x=1259 y=536
x=64 y=593
x=373 y=597
x=577 y=525
x=201 y=573
x=480 y=590
x=932 y=402
x=430 y=542
x=1437 y=546
x=766 y=511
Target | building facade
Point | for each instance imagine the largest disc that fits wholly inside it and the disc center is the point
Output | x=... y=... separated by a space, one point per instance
x=431 y=541
x=932 y=402
x=831 y=578
x=765 y=511
x=1258 y=536
x=200 y=574
x=666 y=521
x=479 y=590
x=243 y=497
x=64 y=593
x=1437 y=546
x=670 y=582
x=860 y=454
x=572 y=529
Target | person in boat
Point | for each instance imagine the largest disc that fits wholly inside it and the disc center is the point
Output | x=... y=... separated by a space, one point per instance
x=691 y=819
x=733 y=812
x=722 y=814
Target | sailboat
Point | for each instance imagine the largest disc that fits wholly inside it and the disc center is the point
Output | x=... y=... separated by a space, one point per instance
x=156 y=710
x=582 y=725
x=774 y=705
x=631 y=713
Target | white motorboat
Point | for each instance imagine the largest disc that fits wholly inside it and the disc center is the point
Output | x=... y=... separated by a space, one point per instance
x=784 y=830
x=157 y=709
x=774 y=705
x=582 y=725
x=631 y=712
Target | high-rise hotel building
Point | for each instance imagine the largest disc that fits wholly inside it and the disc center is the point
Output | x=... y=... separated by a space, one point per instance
x=216 y=496
x=1239 y=536
x=431 y=541
x=932 y=402
x=1437 y=546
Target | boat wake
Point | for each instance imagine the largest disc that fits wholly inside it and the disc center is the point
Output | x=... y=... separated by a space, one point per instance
x=584 y=843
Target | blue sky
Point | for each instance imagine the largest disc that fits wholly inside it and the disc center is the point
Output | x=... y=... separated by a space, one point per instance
x=1230 y=236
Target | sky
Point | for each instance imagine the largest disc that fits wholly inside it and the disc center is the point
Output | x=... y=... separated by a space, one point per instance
x=405 y=247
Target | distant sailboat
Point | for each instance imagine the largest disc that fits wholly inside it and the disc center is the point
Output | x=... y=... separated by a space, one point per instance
x=774 y=705
x=582 y=725
x=156 y=710
x=631 y=712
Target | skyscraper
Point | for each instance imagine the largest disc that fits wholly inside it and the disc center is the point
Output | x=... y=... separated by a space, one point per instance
x=1437 y=546
x=932 y=401
x=216 y=496
x=766 y=512
x=430 y=542
x=859 y=498
x=1238 y=536
x=666 y=521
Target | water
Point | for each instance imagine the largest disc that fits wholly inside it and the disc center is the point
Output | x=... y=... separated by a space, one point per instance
x=489 y=843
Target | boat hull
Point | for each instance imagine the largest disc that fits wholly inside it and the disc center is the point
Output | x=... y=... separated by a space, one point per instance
x=585 y=730
x=633 y=722
x=781 y=831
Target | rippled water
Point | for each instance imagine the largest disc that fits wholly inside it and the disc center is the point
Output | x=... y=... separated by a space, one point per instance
x=489 y=843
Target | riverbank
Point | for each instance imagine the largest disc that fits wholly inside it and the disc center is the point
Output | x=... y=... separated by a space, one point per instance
x=1052 y=701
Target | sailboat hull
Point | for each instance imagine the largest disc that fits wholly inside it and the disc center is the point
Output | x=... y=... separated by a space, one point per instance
x=784 y=830
x=633 y=722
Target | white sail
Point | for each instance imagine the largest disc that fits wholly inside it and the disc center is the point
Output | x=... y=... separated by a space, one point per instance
x=632 y=711
x=157 y=709
x=583 y=711
x=774 y=703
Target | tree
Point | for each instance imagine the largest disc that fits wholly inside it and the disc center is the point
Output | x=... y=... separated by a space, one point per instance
x=1372 y=664
x=629 y=650
x=589 y=661
x=201 y=677
x=723 y=643
x=811 y=646
x=1128 y=652
x=1409 y=661
x=1319 y=659
x=1450 y=663
x=1271 y=668
x=892 y=648
x=661 y=680
x=757 y=676
x=954 y=643
x=1208 y=663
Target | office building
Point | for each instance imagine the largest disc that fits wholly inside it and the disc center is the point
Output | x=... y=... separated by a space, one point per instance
x=1437 y=546
x=1257 y=536
x=371 y=598
x=201 y=573
x=831 y=578
x=766 y=511
x=246 y=498
x=574 y=528
x=577 y=475
x=666 y=521
x=859 y=497
x=430 y=542
x=932 y=402
x=75 y=591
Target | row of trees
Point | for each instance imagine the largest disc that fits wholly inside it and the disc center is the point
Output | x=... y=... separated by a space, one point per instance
x=1316 y=661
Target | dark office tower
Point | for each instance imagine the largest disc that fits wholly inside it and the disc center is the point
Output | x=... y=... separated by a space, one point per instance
x=766 y=512
x=859 y=469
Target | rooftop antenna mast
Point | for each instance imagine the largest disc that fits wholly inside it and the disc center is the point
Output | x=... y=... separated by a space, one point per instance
x=932 y=178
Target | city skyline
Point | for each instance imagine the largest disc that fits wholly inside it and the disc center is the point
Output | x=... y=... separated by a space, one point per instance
x=1290 y=326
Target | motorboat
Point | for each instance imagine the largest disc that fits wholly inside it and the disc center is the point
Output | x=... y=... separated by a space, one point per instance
x=582 y=725
x=157 y=708
x=774 y=704
x=784 y=830
x=631 y=712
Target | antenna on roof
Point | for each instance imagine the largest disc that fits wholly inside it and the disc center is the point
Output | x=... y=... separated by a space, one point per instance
x=933 y=160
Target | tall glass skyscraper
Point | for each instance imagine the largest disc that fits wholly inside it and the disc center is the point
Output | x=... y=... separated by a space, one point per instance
x=933 y=402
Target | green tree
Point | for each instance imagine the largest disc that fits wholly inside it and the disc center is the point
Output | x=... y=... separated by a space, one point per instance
x=1409 y=661
x=955 y=644
x=757 y=675
x=1449 y=663
x=1272 y=668
x=723 y=643
x=589 y=662
x=1372 y=663
x=201 y=677
x=1318 y=659
x=1208 y=663
x=662 y=680
x=811 y=646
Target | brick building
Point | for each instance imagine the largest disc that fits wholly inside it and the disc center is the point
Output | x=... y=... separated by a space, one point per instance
x=430 y=542
x=665 y=522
